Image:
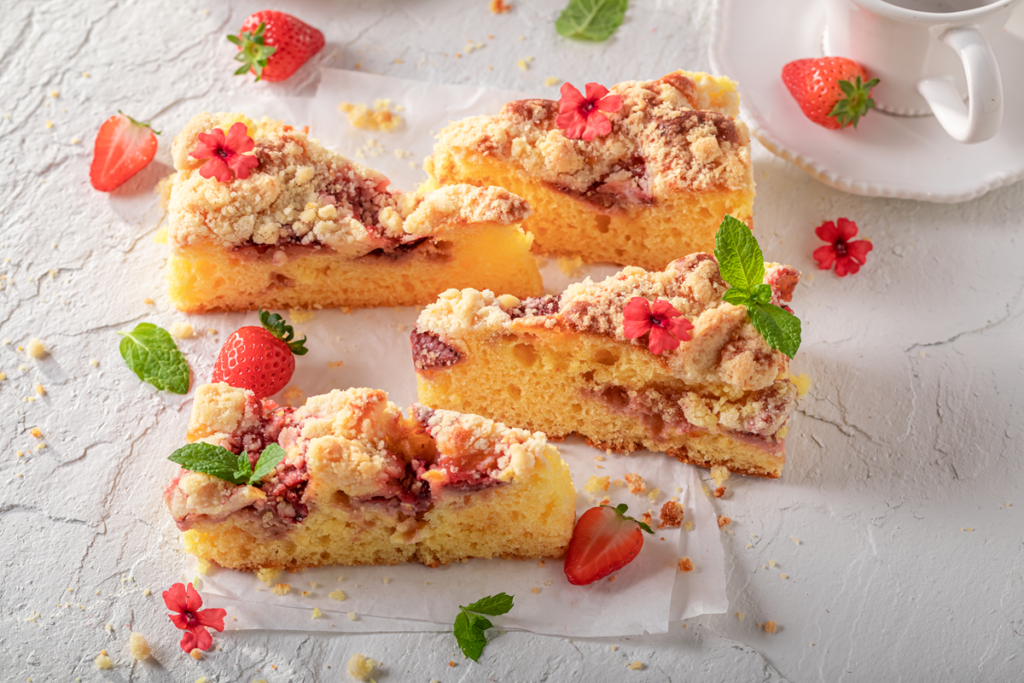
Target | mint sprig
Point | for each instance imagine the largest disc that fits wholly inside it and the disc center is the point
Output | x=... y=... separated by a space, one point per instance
x=150 y=352
x=741 y=264
x=219 y=462
x=470 y=625
x=591 y=19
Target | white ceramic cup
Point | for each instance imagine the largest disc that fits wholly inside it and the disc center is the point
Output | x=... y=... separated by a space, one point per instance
x=928 y=55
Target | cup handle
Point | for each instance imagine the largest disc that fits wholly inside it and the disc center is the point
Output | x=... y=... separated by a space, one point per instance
x=980 y=119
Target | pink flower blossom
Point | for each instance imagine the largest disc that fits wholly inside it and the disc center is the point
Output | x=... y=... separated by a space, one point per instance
x=848 y=256
x=666 y=325
x=584 y=117
x=226 y=155
x=186 y=602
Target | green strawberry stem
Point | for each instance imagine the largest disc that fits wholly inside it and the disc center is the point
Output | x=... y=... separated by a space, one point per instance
x=856 y=103
x=620 y=511
x=277 y=326
x=138 y=123
x=254 y=53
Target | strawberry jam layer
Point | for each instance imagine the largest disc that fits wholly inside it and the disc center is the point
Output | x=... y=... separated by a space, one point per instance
x=429 y=352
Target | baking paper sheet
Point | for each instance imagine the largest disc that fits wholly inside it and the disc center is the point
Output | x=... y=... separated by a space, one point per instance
x=373 y=349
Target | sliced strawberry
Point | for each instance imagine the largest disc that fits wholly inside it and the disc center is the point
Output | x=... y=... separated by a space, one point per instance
x=260 y=359
x=273 y=45
x=604 y=540
x=123 y=147
x=833 y=92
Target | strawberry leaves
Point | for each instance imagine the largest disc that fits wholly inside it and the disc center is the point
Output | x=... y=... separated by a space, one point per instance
x=470 y=625
x=219 y=462
x=150 y=352
x=277 y=326
x=620 y=512
x=741 y=264
x=591 y=19
x=856 y=103
x=253 y=51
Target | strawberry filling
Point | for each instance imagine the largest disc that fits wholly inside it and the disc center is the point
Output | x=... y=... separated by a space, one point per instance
x=536 y=305
x=429 y=352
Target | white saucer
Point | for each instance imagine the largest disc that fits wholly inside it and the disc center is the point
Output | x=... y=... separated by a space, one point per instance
x=887 y=155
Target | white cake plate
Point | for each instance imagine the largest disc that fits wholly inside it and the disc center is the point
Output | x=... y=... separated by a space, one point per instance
x=887 y=155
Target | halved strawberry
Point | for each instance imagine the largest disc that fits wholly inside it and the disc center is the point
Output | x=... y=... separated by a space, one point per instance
x=259 y=358
x=273 y=45
x=123 y=147
x=604 y=540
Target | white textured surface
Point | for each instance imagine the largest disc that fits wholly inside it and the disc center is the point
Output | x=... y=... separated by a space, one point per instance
x=910 y=433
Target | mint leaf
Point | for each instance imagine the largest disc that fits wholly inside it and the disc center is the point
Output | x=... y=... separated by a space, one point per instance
x=492 y=605
x=471 y=640
x=779 y=327
x=740 y=260
x=736 y=297
x=762 y=294
x=209 y=459
x=244 y=471
x=269 y=458
x=591 y=19
x=150 y=352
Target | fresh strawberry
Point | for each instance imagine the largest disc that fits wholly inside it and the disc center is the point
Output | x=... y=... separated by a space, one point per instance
x=604 y=540
x=123 y=148
x=259 y=358
x=834 y=92
x=273 y=45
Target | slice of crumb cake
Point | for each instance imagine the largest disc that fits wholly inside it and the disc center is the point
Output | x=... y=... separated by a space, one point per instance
x=656 y=188
x=308 y=228
x=563 y=365
x=362 y=484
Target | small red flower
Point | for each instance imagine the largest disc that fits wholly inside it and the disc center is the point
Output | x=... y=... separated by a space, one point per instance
x=584 y=117
x=848 y=256
x=186 y=602
x=226 y=154
x=667 y=326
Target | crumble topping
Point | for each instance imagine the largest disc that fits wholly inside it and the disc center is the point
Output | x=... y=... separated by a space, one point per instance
x=671 y=515
x=139 y=646
x=303 y=194
x=671 y=134
x=725 y=347
x=684 y=564
x=636 y=483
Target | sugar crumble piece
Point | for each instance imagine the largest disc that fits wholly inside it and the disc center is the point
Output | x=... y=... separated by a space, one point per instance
x=281 y=589
x=33 y=617
x=535 y=590
x=653 y=494
x=724 y=521
x=595 y=484
x=148 y=301
x=93 y=362
x=182 y=330
x=146 y=593
x=636 y=483
x=139 y=646
x=618 y=482
x=360 y=667
x=771 y=563
x=783 y=576
x=36 y=433
x=499 y=6
x=770 y=626
x=749 y=546
x=541 y=564
x=202 y=566
x=614 y=648
x=601 y=458
x=741 y=616
x=795 y=539
x=386 y=579
x=292 y=395
x=108 y=628
x=36 y=348
x=636 y=666
x=380 y=117
x=688 y=526
x=671 y=515
x=49 y=123
x=352 y=616
x=317 y=613
x=684 y=564
x=719 y=492
x=570 y=265
x=196 y=654
x=40 y=390
x=551 y=81
x=524 y=63
x=720 y=474
x=803 y=382
x=611 y=579
x=268 y=575
x=338 y=595
x=102 y=661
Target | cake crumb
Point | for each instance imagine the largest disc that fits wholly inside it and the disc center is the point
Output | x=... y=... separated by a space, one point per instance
x=618 y=482
x=36 y=348
x=720 y=474
x=40 y=390
x=551 y=80
x=741 y=616
x=802 y=383
x=182 y=330
x=299 y=316
x=653 y=494
x=688 y=526
x=352 y=616
x=317 y=613
x=636 y=666
x=146 y=593
x=783 y=576
x=570 y=265
x=646 y=518
x=749 y=546
x=724 y=521
x=719 y=492
x=386 y=579
x=281 y=589
x=524 y=63
x=338 y=595
x=614 y=648
x=671 y=515
x=292 y=394
x=636 y=483
x=379 y=118
x=771 y=563
x=795 y=539
x=139 y=646
x=499 y=6
x=268 y=575
x=335 y=364
x=196 y=654
x=108 y=627
x=595 y=484
x=95 y=363
x=102 y=661
x=36 y=433
x=202 y=566
x=148 y=301
x=360 y=667
x=541 y=564
x=684 y=564
x=770 y=626
x=535 y=590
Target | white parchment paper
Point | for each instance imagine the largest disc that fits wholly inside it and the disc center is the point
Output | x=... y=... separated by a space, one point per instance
x=373 y=349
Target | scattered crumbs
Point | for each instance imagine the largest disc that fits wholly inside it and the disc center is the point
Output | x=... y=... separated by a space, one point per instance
x=618 y=482
x=269 y=575
x=338 y=595
x=139 y=646
x=32 y=618
x=146 y=593
x=541 y=564
x=317 y=613
x=451 y=663
x=23 y=368
x=403 y=154
x=75 y=140
x=1008 y=505
x=795 y=539
x=196 y=653
x=802 y=382
x=569 y=266
x=730 y=532
x=685 y=564
x=522 y=38
x=679 y=489
x=182 y=330
x=653 y=494
x=749 y=546
x=202 y=566
x=770 y=626
x=298 y=317
x=671 y=515
x=360 y=667
x=280 y=589
x=724 y=521
x=783 y=576
x=719 y=492
x=551 y=80
x=211 y=332
x=93 y=362
x=102 y=661
x=970 y=528
x=636 y=666
x=601 y=458
x=771 y=563
x=595 y=484
x=614 y=648
x=148 y=301
x=380 y=117
x=741 y=616
x=499 y=6
x=352 y=616
x=49 y=123
x=36 y=433
x=313 y=584
x=21 y=454
x=85 y=74
x=688 y=526
x=386 y=579
x=720 y=474
x=108 y=628
x=292 y=394
x=304 y=593
x=636 y=483
x=524 y=63
x=36 y=348
x=535 y=590
x=646 y=518
x=40 y=390
x=341 y=578
x=612 y=578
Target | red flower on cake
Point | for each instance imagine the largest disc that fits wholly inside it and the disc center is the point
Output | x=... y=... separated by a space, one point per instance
x=848 y=256
x=666 y=325
x=584 y=117
x=189 y=618
x=226 y=154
